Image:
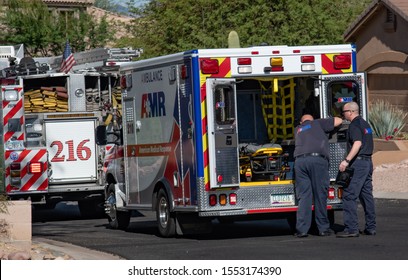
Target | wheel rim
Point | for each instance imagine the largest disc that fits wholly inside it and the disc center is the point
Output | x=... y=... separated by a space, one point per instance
x=163 y=212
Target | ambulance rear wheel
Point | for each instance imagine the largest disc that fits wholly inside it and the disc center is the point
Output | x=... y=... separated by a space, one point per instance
x=166 y=221
x=117 y=219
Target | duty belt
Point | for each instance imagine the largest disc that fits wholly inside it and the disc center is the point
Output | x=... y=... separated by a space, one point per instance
x=313 y=155
x=364 y=158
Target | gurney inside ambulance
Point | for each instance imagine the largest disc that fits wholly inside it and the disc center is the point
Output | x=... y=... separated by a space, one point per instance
x=263 y=162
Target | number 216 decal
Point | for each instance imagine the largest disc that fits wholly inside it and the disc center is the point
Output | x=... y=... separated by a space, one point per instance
x=80 y=152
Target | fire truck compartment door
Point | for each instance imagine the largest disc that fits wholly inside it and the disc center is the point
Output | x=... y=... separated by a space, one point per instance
x=222 y=133
x=72 y=150
x=77 y=97
x=339 y=89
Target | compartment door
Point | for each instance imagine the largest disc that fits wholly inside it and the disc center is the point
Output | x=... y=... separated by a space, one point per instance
x=222 y=133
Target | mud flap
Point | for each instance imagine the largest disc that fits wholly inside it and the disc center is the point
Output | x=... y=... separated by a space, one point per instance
x=190 y=223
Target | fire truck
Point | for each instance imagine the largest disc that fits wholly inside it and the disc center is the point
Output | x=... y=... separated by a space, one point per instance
x=209 y=133
x=48 y=148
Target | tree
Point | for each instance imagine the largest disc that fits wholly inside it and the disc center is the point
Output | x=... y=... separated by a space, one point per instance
x=167 y=26
x=44 y=32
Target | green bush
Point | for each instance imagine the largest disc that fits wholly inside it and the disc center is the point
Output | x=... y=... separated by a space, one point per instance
x=386 y=120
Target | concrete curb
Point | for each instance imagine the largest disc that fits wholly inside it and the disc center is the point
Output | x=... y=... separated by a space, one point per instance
x=391 y=195
x=61 y=249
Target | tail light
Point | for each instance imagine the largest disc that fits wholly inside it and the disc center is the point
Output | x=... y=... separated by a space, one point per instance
x=213 y=200
x=233 y=198
x=15 y=174
x=332 y=193
x=35 y=167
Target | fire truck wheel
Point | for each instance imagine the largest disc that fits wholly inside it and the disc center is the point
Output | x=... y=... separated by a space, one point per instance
x=166 y=221
x=117 y=219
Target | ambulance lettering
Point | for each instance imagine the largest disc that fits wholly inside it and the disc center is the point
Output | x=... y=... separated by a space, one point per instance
x=153 y=105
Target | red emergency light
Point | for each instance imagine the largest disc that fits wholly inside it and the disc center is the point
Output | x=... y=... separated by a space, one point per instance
x=342 y=61
x=35 y=167
x=307 y=59
x=209 y=66
x=244 y=61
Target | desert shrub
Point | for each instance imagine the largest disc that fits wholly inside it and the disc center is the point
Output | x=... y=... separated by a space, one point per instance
x=386 y=120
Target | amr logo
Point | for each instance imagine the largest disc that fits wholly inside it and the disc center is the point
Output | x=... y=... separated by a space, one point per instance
x=153 y=105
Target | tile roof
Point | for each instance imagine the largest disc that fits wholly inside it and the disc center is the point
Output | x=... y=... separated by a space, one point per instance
x=400 y=7
x=70 y=2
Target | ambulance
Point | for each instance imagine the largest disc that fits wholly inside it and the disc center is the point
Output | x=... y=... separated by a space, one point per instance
x=208 y=134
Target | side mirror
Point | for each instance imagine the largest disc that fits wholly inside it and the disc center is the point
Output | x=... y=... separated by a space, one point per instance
x=101 y=136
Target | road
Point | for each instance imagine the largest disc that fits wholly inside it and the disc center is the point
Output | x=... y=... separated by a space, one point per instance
x=267 y=239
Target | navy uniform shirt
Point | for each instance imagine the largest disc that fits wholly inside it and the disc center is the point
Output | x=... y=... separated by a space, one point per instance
x=311 y=137
x=360 y=130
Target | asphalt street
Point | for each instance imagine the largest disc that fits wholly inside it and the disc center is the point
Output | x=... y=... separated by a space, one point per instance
x=266 y=239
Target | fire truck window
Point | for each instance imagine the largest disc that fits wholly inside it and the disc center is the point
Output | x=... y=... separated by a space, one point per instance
x=224 y=106
x=340 y=93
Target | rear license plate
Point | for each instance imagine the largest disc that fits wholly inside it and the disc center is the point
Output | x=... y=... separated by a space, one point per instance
x=282 y=199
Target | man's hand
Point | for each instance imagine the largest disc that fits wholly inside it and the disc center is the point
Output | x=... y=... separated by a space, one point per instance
x=343 y=165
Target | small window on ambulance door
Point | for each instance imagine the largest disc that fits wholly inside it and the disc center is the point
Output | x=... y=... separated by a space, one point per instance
x=340 y=93
x=224 y=106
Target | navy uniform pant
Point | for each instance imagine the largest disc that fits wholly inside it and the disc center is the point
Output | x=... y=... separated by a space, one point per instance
x=312 y=184
x=361 y=187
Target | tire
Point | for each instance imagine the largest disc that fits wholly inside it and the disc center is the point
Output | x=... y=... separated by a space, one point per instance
x=117 y=219
x=291 y=219
x=166 y=222
x=91 y=209
x=330 y=215
x=47 y=206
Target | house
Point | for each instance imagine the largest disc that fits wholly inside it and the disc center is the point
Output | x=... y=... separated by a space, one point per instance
x=381 y=37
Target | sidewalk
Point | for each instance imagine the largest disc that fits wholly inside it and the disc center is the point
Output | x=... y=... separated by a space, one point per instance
x=55 y=250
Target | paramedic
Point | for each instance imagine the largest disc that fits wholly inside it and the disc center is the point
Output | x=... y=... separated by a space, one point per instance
x=312 y=172
x=360 y=148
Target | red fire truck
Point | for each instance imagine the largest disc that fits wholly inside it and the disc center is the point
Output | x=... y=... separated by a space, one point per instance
x=48 y=150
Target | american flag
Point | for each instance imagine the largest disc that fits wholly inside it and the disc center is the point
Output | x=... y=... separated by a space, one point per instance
x=68 y=60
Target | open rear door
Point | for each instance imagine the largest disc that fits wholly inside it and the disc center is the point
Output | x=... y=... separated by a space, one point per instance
x=222 y=133
x=340 y=89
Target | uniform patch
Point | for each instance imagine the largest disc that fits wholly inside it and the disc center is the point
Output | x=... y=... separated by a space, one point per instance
x=304 y=128
x=368 y=131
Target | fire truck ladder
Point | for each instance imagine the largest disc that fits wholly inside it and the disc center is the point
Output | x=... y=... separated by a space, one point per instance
x=278 y=109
